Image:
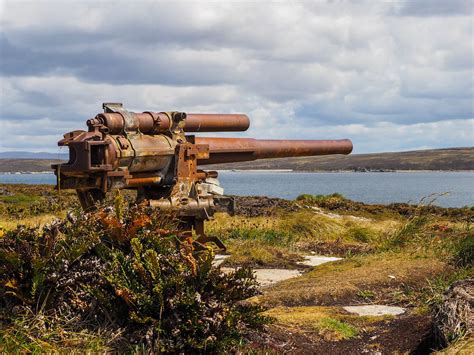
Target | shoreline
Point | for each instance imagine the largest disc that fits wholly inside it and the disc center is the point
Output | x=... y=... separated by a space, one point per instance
x=280 y=171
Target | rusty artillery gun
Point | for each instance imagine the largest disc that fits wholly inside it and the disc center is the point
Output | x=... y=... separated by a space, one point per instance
x=150 y=152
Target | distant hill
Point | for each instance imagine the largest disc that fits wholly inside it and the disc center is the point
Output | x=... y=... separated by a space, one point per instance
x=435 y=159
x=26 y=165
x=31 y=155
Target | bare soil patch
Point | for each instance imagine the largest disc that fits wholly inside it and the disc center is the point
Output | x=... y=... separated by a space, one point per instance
x=405 y=334
x=256 y=206
x=336 y=248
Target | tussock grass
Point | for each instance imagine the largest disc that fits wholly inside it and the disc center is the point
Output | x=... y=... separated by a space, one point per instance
x=276 y=240
x=253 y=254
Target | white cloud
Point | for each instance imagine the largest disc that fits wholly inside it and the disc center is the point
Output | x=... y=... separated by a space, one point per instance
x=300 y=69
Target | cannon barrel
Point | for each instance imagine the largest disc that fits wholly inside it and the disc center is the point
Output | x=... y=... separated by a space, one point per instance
x=229 y=150
x=160 y=122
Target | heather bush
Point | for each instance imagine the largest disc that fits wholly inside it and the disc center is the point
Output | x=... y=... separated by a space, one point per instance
x=124 y=277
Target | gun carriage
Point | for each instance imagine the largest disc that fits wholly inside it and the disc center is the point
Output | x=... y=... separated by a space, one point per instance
x=152 y=153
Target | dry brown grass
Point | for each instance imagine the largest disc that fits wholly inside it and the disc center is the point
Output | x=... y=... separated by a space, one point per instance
x=279 y=241
x=30 y=221
x=383 y=277
x=251 y=253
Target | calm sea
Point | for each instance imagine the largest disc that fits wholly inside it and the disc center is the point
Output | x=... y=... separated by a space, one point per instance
x=366 y=187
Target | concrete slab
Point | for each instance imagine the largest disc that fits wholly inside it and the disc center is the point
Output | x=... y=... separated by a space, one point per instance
x=267 y=277
x=219 y=259
x=315 y=260
x=375 y=310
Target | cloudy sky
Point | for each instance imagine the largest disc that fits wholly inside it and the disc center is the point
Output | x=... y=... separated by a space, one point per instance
x=391 y=75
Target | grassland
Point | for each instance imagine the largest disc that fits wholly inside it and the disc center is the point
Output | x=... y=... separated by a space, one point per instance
x=394 y=255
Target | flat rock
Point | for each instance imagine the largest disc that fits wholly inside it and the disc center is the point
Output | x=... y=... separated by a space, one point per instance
x=267 y=277
x=315 y=260
x=375 y=310
x=219 y=259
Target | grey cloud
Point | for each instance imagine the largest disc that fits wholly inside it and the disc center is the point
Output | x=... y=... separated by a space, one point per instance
x=435 y=8
x=117 y=65
x=299 y=64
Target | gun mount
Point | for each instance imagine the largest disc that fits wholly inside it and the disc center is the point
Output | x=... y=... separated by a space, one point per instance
x=150 y=152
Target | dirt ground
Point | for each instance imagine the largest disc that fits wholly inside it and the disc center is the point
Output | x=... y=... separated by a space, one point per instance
x=405 y=334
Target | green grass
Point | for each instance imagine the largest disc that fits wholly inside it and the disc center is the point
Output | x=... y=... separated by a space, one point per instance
x=340 y=329
x=20 y=199
x=411 y=231
x=267 y=236
x=362 y=234
x=432 y=293
x=463 y=254
x=366 y=294
x=329 y=323
x=320 y=198
x=385 y=277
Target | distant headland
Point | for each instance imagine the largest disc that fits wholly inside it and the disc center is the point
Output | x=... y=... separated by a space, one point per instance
x=448 y=159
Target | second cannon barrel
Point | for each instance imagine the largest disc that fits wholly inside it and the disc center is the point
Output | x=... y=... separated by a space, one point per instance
x=228 y=150
x=159 y=122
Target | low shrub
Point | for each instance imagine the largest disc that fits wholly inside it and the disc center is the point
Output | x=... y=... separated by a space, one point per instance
x=126 y=274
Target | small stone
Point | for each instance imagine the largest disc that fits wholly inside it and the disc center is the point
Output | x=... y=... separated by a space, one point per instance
x=315 y=260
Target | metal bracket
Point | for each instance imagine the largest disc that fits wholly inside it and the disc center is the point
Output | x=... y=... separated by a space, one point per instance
x=177 y=121
x=130 y=123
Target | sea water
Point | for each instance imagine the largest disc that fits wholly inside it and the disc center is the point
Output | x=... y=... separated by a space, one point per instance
x=449 y=189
